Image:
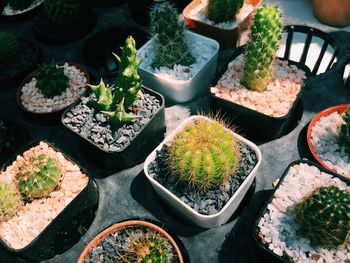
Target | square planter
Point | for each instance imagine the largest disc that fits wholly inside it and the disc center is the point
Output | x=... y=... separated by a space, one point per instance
x=179 y=91
x=205 y=221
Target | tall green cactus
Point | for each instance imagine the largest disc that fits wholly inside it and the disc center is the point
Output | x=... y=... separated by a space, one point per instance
x=10 y=201
x=223 y=10
x=62 y=12
x=260 y=54
x=19 y=4
x=344 y=132
x=9 y=49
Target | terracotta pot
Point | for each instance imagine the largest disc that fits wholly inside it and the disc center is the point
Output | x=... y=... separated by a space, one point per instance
x=333 y=13
x=118 y=226
x=338 y=108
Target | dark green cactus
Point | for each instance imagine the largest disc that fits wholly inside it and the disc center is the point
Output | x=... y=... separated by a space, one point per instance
x=324 y=217
x=10 y=201
x=19 y=4
x=51 y=80
x=344 y=132
x=6 y=138
x=204 y=155
x=63 y=12
x=9 y=49
x=170 y=45
x=223 y=10
x=260 y=54
x=38 y=176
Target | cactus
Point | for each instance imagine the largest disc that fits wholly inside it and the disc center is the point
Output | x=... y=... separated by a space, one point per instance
x=170 y=44
x=62 y=12
x=223 y=10
x=6 y=138
x=204 y=155
x=38 y=176
x=9 y=49
x=344 y=132
x=324 y=217
x=260 y=54
x=51 y=80
x=10 y=201
x=19 y=4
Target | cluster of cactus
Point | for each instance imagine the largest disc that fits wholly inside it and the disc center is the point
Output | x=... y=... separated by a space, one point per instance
x=6 y=139
x=62 y=12
x=324 y=217
x=9 y=49
x=51 y=80
x=114 y=101
x=10 y=201
x=344 y=132
x=266 y=32
x=19 y=4
x=38 y=176
x=223 y=10
x=204 y=155
x=170 y=45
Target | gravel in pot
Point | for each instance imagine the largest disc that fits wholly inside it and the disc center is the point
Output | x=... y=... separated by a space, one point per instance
x=19 y=10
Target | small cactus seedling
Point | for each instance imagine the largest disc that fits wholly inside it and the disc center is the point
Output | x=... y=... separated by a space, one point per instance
x=38 y=176
x=324 y=217
x=170 y=45
x=6 y=139
x=204 y=155
x=51 y=80
x=344 y=132
x=223 y=10
x=62 y=12
x=19 y=4
x=260 y=54
x=9 y=49
x=10 y=201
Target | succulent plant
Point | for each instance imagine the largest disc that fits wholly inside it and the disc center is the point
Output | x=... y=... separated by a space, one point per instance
x=62 y=12
x=204 y=155
x=223 y=10
x=9 y=49
x=170 y=45
x=10 y=201
x=6 y=138
x=51 y=80
x=260 y=54
x=19 y=4
x=344 y=132
x=38 y=176
x=324 y=217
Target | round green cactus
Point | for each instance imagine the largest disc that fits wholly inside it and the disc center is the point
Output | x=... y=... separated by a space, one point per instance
x=63 y=12
x=344 y=132
x=204 y=155
x=9 y=48
x=223 y=10
x=19 y=4
x=38 y=176
x=324 y=217
x=10 y=201
x=260 y=54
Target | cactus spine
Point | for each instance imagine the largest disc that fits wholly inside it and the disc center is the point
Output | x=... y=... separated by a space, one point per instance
x=344 y=132
x=324 y=217
x=170 y=45
x=9 y=49
x=260 y=54
x=223 y=10
x=10 y=201
x=62 y=12
x=19 y=4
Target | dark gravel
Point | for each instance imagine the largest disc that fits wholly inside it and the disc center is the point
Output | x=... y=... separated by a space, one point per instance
x=212 y=201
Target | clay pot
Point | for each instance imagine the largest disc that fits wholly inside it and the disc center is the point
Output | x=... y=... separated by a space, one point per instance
x=333 y=13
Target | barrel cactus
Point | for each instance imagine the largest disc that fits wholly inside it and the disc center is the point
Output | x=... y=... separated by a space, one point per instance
x=10 y=201
x=223 y=10
x=266 y=32
x=19 y=4
x=324 y=217
x=344 y=132
x=204 y=155
x=62 y=12
x=9 y=49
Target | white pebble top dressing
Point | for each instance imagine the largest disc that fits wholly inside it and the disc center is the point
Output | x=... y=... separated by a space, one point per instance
x=8 y=11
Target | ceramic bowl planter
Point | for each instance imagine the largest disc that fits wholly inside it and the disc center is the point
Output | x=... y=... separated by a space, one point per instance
x=323 y=139
x=51 y=216
x=292 y=227
x=204 y=211
x=335 y=13
x=135 y=241
x=11 y=15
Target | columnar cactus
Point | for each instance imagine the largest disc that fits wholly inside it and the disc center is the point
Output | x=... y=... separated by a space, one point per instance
x=344 y=132
x=260 y=54
x=223 y=10
x=204 y=155
x=9 y=49
x=38 y=176
x=324 y=217
x=19 y=4
x=10 y=201
x=62 y=12
x=170 y=45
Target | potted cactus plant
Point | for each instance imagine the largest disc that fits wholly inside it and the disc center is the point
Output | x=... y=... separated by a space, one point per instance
x=119 y=124
x=19 y=10
x=177 y=63
x=203 y=170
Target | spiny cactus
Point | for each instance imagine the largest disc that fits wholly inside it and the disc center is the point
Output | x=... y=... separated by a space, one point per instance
x=9 y=49
x=223 y=10
x=38 y=176
x=6 y=138
x=51 y=80
x=204 y=155
x=19 y=4
x=324 y=217
x=344 y=132
x=62 y=12
x=170 y=45
x=10 y=201
x=260 y=54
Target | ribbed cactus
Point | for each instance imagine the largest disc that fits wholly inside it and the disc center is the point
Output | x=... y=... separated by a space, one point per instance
x=170 y=45
x=10 y=201
x=204 y=155
x=38 y=176
x=260 y=54
x=9 y=49
x=51 y=80
x=223 y=10
x=324 y=217
x=19 y=4
x=62 y=12
x=344 y=132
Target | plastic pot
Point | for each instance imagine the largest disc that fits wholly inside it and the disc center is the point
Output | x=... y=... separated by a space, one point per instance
x=19 y=17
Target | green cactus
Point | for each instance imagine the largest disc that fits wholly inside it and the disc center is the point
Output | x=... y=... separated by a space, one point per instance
x=51 y=80
x=63 y=12
x=10 y=201
x=9 y=49
x=324 y=217
x=204 y=155
x=19 y=4
x=344 y=132
x=260 y=54
x=38 y=176
x=223 y=10
x=170 y=45
x=6 y=138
